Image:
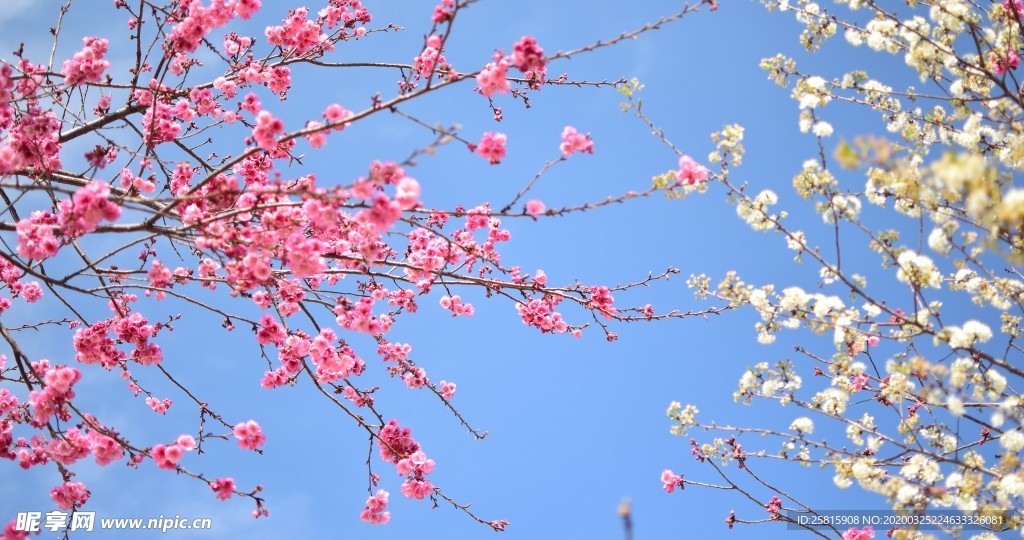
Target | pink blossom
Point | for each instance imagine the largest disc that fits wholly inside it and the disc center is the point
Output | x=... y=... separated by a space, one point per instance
x=223 y=487
x=1001 y=64
x=853 y=533
x=535 y=207
x=159 y=406
x=105 y=449
x=601 y=300
x=457 y=306
x=297 y=35
x=417 y=489
x=493 y=79
x=690 y=172
x=87 y=65
x=70 y=494
x=859 y=382
x=304 y=255
x=407 y=193
x=246 y=8
x=540 y=313
x=249 y=435
x=89 y=206
x=376 y=509
x=270 y=331
x=395 y=442
x=670 y=480
x=11 y=531
x=574 y=141
x=442 y=13
x=424 y=64
x=417 y=463
x=168 y=456
x=492 y=147
x=266 y=131
x=73 y=447
x=447 y=389
x=35 y=237
x=873 y=341
x=527 y=55
x=336 y=114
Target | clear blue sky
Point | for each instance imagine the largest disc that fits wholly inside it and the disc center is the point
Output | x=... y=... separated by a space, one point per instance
x=575 y=425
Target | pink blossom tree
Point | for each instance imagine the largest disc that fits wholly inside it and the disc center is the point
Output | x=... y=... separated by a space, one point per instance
x=195 y=198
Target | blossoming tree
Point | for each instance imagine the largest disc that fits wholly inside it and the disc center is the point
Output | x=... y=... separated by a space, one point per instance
x=194 y=198
x=912 y=390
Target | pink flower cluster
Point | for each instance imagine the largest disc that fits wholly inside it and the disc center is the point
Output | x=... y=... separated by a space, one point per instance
x=359 y=317
x=443 y=11
x=540 y=313
x=376 y=509
x=196 y=21
x=527 y=57
x=416 y=466
x=457 y=306
x=492 y=147
x=493 y=78
x=670 y=480
x=36 y=240
x=159 y=406
x=69 y=494
x=12 y=532
x=1018 y=5
x=429 y=58
x=345 y=12
x=297 y=35
x=447 y=389
x=601 y=300
x=1001 y=64
x=89 y=206
x=574 y=141
x=53 y=398
x=158 y=121
x=535 y=207
x=168 y=456
x=136 y=330
x=129 y=180
x=333 y=364
x=94 y=346
x=266 y=131
x=690 y=172
x=249 y=435
x=853 y=533
x=75 y=446
x=223 y=487
x=32 y=142
x=397 y=446
x=87 y=65
x=395 y=442
x=428 y=253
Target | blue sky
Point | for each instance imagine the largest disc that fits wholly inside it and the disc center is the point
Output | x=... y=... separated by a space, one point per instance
x=575 y=425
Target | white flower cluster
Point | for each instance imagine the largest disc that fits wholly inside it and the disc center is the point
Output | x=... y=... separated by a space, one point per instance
x=803 y=425
x=684 y=416
x=917 y=270
x=811 y=92
x=921 y=467
x=966 y=336
x=840 y=206
x=755 y=212
x=832 y=401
